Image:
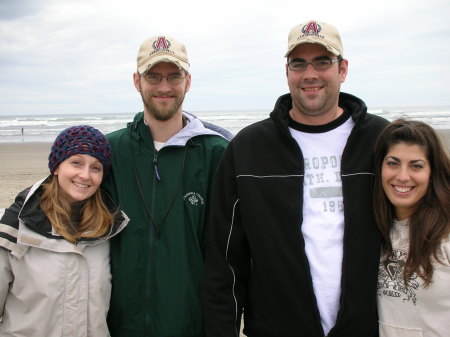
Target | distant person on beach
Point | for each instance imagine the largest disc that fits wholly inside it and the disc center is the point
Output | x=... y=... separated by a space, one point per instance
x=412 y=209
x=163 y=166
x=55 y=275
x=294 y=244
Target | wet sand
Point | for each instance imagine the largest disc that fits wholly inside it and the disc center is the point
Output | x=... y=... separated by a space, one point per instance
x=22 y=164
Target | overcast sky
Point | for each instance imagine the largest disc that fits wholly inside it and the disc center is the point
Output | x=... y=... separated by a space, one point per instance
x=73 y=56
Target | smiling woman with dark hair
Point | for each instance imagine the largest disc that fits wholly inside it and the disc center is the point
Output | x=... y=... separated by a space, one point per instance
x=412 y=208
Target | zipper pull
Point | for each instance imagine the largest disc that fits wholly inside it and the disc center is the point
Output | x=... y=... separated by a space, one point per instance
x=155 y=166
x=158 y=230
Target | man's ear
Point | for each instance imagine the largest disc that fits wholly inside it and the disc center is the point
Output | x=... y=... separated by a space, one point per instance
x=137 y=81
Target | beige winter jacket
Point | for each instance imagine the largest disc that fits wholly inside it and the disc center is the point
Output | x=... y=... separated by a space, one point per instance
x=50 y=287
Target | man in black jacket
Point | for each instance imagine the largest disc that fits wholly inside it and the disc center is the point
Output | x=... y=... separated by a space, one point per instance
x=294 y=245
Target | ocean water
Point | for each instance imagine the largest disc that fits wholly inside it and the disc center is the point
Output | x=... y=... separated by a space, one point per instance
x=44 y=128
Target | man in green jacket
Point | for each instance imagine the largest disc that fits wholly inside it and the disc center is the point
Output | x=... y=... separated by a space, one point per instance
x=162 y=170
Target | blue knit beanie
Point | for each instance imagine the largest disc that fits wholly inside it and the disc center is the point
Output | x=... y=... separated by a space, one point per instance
x=81 y=139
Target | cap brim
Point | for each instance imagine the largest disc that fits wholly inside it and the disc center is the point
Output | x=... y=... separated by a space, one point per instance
x=163 y=58
x=329 y=47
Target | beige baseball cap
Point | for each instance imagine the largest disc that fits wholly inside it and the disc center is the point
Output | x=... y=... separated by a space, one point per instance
x=159 y=49
x=314 y=31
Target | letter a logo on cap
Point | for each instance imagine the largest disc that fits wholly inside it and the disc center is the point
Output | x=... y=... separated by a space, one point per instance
x=161 y=43
x=312 y=28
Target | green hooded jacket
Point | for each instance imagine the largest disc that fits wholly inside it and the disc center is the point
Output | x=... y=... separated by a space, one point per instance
x=157 y=261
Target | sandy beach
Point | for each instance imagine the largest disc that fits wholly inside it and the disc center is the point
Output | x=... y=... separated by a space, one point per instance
x=22 y=164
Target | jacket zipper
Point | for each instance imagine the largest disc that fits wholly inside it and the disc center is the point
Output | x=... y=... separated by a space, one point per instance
x=155 y=166
x=156 y=178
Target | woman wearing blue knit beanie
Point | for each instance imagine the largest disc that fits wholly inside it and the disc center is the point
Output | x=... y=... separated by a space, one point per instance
x=55 y=277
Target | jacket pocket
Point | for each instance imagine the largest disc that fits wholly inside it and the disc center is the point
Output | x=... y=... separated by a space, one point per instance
x=394 y=331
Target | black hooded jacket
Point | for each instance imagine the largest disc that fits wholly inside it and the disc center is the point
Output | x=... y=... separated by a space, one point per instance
x=256 y=261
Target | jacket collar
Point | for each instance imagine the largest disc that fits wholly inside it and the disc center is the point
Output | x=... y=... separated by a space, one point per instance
x=34 y=228
x=194 y=127
x=350 y=103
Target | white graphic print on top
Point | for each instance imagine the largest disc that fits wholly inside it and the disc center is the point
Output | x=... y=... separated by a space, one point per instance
x=391 y=282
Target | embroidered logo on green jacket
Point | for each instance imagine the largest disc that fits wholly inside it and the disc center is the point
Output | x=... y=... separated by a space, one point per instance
x=194 y=198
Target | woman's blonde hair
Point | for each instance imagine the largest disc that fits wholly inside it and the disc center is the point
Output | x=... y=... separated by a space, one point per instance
x=95 y=218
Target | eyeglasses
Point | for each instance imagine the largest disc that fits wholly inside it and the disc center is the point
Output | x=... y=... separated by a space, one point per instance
x=172 y=79
x=317 y=64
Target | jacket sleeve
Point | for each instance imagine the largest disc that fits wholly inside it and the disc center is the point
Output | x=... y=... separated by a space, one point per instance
x=227 y=264
x=217 y=153
x=9 y=224
x=6 y=278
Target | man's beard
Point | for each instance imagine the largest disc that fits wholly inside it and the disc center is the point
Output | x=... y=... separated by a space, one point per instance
x=163 y=113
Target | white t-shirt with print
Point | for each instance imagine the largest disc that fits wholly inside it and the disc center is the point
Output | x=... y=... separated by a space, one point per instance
x=323 y=214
